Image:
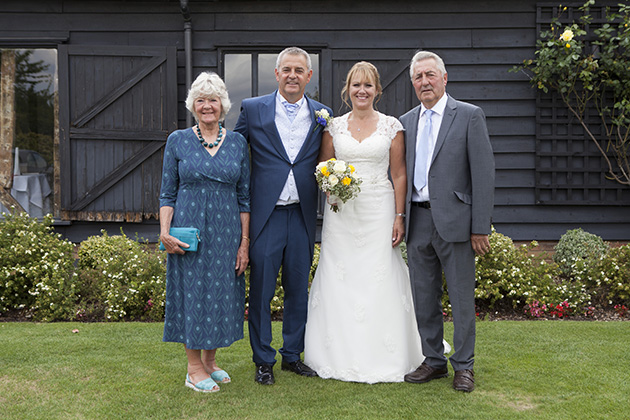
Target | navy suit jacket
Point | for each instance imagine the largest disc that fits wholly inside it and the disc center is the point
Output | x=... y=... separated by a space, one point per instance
x=271 y=164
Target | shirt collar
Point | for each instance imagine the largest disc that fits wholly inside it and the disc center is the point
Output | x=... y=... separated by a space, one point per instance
x=438 y=108
x=283 y=101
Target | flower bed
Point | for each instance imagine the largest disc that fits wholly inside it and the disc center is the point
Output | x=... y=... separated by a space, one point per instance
x=116 y=278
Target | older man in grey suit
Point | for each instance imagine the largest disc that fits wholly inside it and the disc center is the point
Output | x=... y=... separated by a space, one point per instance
x=450 y=176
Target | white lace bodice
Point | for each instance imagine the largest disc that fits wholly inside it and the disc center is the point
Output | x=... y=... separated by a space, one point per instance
x=370 y=157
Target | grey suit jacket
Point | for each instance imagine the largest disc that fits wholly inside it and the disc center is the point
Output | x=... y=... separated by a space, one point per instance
x=461 y=175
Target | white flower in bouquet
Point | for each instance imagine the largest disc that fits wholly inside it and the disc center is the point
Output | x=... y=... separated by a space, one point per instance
x=337 y=178
x=339 y=166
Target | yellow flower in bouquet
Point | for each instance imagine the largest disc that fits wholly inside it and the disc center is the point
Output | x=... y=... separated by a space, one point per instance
x=337 y=178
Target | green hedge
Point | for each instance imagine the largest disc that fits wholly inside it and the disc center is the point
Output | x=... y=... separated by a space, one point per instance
x=117 y=278
x=36 y=268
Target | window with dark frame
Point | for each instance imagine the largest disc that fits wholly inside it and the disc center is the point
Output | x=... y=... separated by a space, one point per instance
x=248 y=74
x=29 y=126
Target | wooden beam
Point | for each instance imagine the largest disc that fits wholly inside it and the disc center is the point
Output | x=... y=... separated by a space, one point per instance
x=7 y=116
x=115 y=176
x=94 y=110
x=8 y=201
x=387 y=79
x=135 y=135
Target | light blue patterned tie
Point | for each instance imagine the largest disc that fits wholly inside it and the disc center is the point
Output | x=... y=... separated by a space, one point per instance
x=292 y=110
x=420 y=172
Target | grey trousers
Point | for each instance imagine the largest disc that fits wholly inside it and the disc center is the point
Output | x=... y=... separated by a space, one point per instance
x=428 y=257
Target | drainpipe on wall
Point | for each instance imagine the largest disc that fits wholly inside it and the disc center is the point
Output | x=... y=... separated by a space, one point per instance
x=183 y=5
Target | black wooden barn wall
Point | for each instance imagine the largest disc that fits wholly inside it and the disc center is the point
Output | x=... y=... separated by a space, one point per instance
x=122 y=84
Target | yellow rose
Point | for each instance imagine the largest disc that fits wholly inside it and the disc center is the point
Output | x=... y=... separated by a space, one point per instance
x=567 y=35
x=568 y=45
x=346 y=180
x=351 y=169
x=325 y=171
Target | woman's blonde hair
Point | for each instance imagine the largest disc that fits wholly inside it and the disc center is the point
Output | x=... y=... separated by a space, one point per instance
x=364 y=71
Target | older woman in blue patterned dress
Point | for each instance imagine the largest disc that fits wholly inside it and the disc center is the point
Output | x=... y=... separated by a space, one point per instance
x=205 y=184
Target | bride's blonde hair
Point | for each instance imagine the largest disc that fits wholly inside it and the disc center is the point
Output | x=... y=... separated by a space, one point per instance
x=363 y=71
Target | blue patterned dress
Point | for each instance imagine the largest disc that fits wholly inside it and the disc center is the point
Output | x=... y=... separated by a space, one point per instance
x=205 y=300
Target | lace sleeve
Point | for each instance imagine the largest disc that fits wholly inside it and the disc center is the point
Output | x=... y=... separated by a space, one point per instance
x=392 y=127
x=335 y=126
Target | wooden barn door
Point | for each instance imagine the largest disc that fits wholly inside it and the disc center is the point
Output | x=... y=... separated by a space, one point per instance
x=393 y=66
x=117 y=106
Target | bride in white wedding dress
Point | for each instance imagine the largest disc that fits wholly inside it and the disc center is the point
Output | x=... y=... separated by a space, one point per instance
x=361 y=322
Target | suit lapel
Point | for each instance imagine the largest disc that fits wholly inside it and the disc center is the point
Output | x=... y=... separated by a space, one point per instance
x=311 y=131
x=412 y=136
x=447 y=120
x=268 y=120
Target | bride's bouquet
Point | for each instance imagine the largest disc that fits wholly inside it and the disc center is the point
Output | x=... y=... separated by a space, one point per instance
x=337 y=178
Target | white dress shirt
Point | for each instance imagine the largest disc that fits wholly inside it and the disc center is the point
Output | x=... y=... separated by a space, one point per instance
x=293 y=134
x=438 y=114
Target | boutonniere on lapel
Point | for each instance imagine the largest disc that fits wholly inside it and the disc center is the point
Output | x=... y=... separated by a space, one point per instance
x=323 y=118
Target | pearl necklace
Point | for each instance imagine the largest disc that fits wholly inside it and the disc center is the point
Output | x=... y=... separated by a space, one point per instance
x=204 y=143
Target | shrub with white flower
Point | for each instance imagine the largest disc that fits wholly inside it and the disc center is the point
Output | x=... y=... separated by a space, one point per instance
x=36 y=268
x=120 y=279
x=511 y=277
x=337 y=178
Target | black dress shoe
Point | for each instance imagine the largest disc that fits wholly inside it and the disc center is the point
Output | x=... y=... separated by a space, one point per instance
x=298 y=367
x=264 y=374
x=425 y=373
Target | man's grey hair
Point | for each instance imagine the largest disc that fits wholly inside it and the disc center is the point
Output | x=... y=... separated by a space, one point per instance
x=293 y=51
x=423 y=55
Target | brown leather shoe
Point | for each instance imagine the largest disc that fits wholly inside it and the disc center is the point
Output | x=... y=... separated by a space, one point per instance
x=425 y=373
x=464 y=380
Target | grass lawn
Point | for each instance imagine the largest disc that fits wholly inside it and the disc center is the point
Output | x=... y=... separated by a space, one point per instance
x=524 y=370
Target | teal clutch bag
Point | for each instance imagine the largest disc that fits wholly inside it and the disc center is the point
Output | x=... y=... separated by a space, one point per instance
x=188 y=235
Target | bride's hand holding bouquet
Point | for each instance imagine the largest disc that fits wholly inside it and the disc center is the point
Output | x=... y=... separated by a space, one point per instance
x=336 y=178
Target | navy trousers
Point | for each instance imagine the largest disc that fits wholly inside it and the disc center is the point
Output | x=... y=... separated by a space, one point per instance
x=284 y=243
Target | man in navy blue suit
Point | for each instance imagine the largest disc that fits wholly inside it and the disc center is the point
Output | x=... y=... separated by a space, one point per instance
x=284 y=139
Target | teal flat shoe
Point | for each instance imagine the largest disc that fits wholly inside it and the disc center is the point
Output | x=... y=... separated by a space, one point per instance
x=221 y=376
x=207 y=385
